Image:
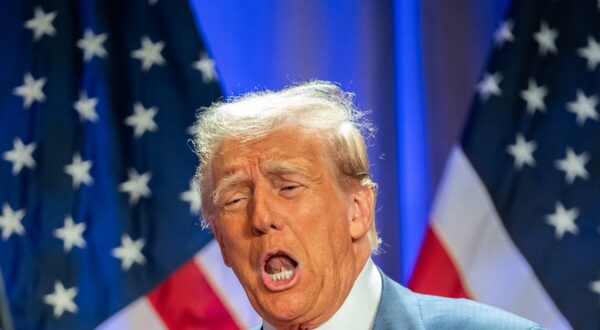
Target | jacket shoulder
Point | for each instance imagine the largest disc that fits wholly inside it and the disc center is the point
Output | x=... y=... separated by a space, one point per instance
x=399 y=305
x=450 y=313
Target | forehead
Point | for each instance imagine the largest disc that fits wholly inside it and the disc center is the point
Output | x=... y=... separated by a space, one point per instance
x=289 y=149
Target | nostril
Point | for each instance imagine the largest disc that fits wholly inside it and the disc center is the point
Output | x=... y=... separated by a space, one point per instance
x=258 y=230
x=255 y=231
x=263 y=222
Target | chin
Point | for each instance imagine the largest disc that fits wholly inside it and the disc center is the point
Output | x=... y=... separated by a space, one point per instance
x=285 y=308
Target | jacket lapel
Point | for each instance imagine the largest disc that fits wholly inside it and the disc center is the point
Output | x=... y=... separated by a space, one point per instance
x=398 y=307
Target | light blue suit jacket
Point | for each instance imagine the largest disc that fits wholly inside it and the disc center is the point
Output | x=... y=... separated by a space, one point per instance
x=402 y=309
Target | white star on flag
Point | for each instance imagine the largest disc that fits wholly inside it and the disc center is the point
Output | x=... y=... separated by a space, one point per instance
x=20 y=156
x=92 y=45
x=86 y=107
x=504 y=33
x=61 y=299
x=534 y=97
x=80 y=171
x=523 y=152
x=546 y=39
x=489 y=85
x=149 y=53
x=41 y=23
x=129 y=252
x=191 y=196
x=584 y=107
x=563 y=220
x=206 y=66
x=595 y=286
x=71 y=234
x=573 y=165
x=136 y=186
x=152 y=2
x=142 y=119
x=10 y=222
x=31 y=90
x=191 y=130
x=591 y=53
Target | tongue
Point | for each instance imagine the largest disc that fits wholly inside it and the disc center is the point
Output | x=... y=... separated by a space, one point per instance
x=278 y=264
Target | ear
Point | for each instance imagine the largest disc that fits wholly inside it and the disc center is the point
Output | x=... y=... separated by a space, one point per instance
x=214 y=225
x=361 y=219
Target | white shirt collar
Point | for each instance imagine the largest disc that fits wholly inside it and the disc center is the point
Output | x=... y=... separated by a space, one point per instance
x=360 y=307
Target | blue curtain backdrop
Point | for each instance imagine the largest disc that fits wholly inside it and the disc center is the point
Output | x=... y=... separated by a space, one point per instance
x=413 y=64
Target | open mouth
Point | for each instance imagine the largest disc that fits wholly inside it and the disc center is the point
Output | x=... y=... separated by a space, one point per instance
x=279 y=271
x=280 y=266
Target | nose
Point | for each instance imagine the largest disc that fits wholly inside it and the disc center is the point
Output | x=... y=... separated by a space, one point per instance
x=262 y=212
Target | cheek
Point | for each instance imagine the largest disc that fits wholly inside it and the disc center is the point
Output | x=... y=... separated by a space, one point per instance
x=235 y=242
x=326 y=231
x=233 y=225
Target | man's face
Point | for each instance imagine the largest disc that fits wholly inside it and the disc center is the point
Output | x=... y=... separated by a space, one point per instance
x=292 y=234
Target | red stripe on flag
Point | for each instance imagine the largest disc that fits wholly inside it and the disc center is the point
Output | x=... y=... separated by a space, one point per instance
x=185 y=300
x=435 y=272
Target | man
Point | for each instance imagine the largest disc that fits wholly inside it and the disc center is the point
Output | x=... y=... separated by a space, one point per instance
x=285 y=187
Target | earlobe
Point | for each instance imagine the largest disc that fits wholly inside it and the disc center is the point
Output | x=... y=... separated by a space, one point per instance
x=362 y=213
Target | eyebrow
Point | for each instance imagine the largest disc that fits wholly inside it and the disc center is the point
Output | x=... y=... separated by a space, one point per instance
x=276 y=167
x=226 y=183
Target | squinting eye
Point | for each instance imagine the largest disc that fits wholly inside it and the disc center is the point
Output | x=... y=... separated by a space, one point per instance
x=233 y=201
x=290 y=191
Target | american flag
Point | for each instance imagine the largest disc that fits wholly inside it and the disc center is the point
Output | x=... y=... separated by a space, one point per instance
x=98 y=219
x=516 y=221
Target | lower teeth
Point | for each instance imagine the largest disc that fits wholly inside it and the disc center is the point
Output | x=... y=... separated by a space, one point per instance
x=285 y=275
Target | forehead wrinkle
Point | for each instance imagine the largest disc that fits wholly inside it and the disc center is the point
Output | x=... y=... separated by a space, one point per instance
x=280 y=167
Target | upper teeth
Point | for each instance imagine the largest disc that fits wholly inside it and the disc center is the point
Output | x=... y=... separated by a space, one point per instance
x=284 y=275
